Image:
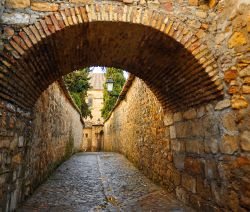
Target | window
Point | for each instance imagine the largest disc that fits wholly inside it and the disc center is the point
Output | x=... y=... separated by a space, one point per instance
x=86 y=135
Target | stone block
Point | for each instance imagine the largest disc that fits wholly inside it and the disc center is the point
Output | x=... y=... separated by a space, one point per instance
x=44 y=6
x=246 y=89
x=237 y=39
x=201 y=14
x=17 y=4
x=212 y=3
x=230 y=75
x=193 y=2
x=15 y=18
x=239 y=102
x=211 y=125
x=245 y=72
x=201 y=33
x=223 y=104
x=195 y=146
x=197 y=128
x=211 y=171
x=168 y=119
x=200 y=112
x=188 y=182
x=172 y=132
x=177 y=146
x=209 y=108
x=168 y=6
x=183 y=129
x=245 y=140
x=211 y=145
x=229 y=144
x=194 y=166
x=190 y=114
x=179 y=161
x=229 y=121
x=246 y=80
x=233 y=90
x=167 y=132
x=177 y=116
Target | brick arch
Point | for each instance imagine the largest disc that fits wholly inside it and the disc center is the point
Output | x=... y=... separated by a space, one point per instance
x=157 y=48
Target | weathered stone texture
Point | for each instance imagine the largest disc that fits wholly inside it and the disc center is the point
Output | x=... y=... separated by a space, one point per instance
x=57 y=133
x=197 y=66
x=32 y=147
x=187 y=152
x=189 y=53
x=17 y=3
x=44 y=6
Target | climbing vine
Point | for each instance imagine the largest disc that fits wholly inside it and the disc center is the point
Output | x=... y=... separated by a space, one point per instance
x=78 y=84
x=110 y=100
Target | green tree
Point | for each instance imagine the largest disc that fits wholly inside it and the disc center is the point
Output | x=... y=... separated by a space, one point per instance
x=78 y=84
x=109 y=100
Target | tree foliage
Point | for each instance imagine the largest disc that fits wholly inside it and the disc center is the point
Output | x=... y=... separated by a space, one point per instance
x=109 y=100
x=78 y=84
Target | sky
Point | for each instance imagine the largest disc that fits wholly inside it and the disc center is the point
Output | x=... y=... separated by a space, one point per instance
x=98 y=69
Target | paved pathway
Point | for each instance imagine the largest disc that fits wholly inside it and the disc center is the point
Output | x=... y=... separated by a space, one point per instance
x=100 y=182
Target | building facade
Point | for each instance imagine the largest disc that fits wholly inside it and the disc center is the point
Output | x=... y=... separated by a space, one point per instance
x=93 y=131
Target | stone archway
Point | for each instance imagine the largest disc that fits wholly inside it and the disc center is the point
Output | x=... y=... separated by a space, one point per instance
x=182 y=67
x=156 y=47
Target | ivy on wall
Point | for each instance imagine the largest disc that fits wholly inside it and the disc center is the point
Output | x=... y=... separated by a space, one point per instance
x=78 y=84
x=109 y=100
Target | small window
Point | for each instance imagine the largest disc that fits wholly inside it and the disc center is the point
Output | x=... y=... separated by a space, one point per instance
x=86 y=135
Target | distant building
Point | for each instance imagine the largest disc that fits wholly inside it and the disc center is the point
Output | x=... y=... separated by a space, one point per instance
x=93 y=131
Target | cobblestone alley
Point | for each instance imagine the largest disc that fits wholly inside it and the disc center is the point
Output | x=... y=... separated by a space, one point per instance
x=100 y=182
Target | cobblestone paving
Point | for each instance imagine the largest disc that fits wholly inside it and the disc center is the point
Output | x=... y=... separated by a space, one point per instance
x=100 y=182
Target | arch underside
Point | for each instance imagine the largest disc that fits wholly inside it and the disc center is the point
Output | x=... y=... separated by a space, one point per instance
x=40 y=55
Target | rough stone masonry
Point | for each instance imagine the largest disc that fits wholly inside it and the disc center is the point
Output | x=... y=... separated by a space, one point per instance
x=191 y=54
x=200 y=154
x=28 y=157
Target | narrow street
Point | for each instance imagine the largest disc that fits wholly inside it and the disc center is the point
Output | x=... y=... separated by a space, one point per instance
x=100 y=182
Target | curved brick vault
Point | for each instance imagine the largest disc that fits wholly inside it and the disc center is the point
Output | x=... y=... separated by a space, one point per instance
x=157 y=48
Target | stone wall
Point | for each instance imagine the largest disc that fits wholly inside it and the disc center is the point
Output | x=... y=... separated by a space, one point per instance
x=57 y=133
x=93 y=138
x=96 y=97
x=196 y=154
x=188 y=52
x=211 y=40
x=34 y=144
